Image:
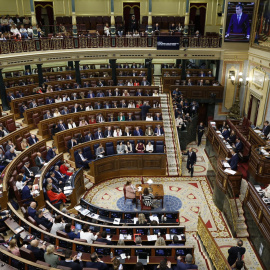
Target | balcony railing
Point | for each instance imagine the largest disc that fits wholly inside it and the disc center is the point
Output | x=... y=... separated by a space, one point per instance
x=47 y=44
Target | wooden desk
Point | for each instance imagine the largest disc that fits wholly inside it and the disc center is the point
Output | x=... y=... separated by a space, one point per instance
x=157 y=191
x=199 y=92
x=168 y=81
x=259 y=166
x=131 y=165
x=227 y=182
x=255 y=139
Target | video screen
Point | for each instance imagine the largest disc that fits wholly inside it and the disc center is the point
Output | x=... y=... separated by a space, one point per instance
x=129 y=215
x=118 y=251
x=238 y=22
x=147 y=250
x=171 y=215
x=141 y=231
x=116 y=215
x=102 y=251
x=163 y=252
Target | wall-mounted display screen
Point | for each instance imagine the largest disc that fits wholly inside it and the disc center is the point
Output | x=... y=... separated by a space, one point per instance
x=238 y=22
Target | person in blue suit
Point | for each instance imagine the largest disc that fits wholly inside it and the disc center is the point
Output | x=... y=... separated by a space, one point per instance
x=51 y=153
x=88 y=137
x=71 y=262
x=61 y=126
x=234 y=160
x=188 y=265
x=90 y=94
x=33 y=139
x=238 y=145
x=70 y=233
x=49 y=100
x=59 y=176
x=38 y=252
x=96 y=263
x=32 y=209
x=159 y=131
x=10 y=154
x=26 y=192
x=99 y=134
x=10 y=97
x=81 y=161
x=239 y=22
x=138 y=132
x=225 y=133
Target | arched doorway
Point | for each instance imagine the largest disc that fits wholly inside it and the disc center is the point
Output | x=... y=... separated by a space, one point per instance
x=130 y=9
x=197 y=16
x=44 y=16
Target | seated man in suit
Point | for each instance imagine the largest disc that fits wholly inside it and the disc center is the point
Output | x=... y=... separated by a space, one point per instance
x=225 y=133
x=188 y=263
x=38 y=252
x=189 y=83
x=33 y=139
x=33 y=104
x=73 y=262
x=22 y=109
x=10 y=155
x=96 y=263
x=74 y=96
x=71 y=143
x=81 y=161
x=40 y=162
x=30 y=172
x=234 y=160
x=100 y=118
x=61 y=126
x=238 y=146
x=116 y=92
x=51 y=153
x=10 y=97
x=40 y=219
x=139 y=93
x=99 y=134
x=31 y=210
x=266 y=128
x=138 y=132
x=88 y=137
x=55 y=188
x=47 y=115
x=58 y=183
x=76 y=108
x=90 y=94
x=26 y=192
x=157 y=117
x=144 y=82
x=103 y=238
x=108 y=132
x=59 y=176
x=200 y=83
x=107 y=105
x=159 y=131
x=49 y=100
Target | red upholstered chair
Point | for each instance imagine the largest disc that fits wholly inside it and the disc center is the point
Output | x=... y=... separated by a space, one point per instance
x=144 y=207
x=36 y=118
x=10 y=125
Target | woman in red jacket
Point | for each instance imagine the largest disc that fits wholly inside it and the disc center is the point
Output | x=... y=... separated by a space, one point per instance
x=55 y=196
x=64 y=170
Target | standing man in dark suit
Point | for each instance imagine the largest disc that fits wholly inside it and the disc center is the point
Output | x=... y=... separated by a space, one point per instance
x=200 y=133
x=191 y=160
x=236 y=252
x=266 y=128
x=239 y=23
x=234 y=160
x=145 y=109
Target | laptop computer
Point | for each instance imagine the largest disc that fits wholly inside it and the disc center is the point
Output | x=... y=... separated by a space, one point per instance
x=143 y=258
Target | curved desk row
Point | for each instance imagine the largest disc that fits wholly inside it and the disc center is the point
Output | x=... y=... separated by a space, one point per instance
x=255 y=139
x=40 y=111
x=41 y=98
x=61 y=138
x=128 y=165
x=8 y=121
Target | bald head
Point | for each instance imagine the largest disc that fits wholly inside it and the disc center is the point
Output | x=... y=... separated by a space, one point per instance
x=33 y=205
x=34 y=243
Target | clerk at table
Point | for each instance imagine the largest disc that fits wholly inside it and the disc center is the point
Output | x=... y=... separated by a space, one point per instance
x=234 y=160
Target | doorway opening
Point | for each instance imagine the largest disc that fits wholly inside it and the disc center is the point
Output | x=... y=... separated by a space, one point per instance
x=44 y=16
x=253 y=109
x=129 y=10
x=197 y=16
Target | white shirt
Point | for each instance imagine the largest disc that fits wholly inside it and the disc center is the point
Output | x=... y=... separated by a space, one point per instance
x=131 y=105
x=58 y=100
x=56 y=114
x=115 y=133
x=89 y=108
x=57 y=227
x=155 y=94
x=71 y=125
x=88 y=236
x=19 y=185
x=15 y=31
x=65 y=99
x=82 y=157
x=149 y=118
x=149 y=147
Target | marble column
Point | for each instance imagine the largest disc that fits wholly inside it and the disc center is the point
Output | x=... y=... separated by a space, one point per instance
x=113 y=30
x=149 y=27
x=222 y=19
x=33 y=19
x=3 y=93
x=40 y=74
x=74 y=22
x=186 y=18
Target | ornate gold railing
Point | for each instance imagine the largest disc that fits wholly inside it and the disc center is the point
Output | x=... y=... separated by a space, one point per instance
x=175 y=136
x=218 y=259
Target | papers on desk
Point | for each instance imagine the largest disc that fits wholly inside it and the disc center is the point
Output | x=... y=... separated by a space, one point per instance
x=228 y=146
x=109 y=238
x=218 y=132
x=220 y=136
x=68 y=187
x=170 y=237
x=213 y=123
x=37 y=175
x=226 y=165
x=85 y=212
x=135 y=220
x=92 y=215
x=123 y=256
x=230 y=171
x=78 y=207
x=154 y=218
x=257 y=131
x=116 y=221
x=35 y=187
x=227 y=158
x=126 y=236
x=68 y=192
x=152 y=237
x=19 y=229
x=258 y=188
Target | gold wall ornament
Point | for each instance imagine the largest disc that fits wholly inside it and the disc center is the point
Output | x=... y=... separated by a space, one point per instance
x=258 y=77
